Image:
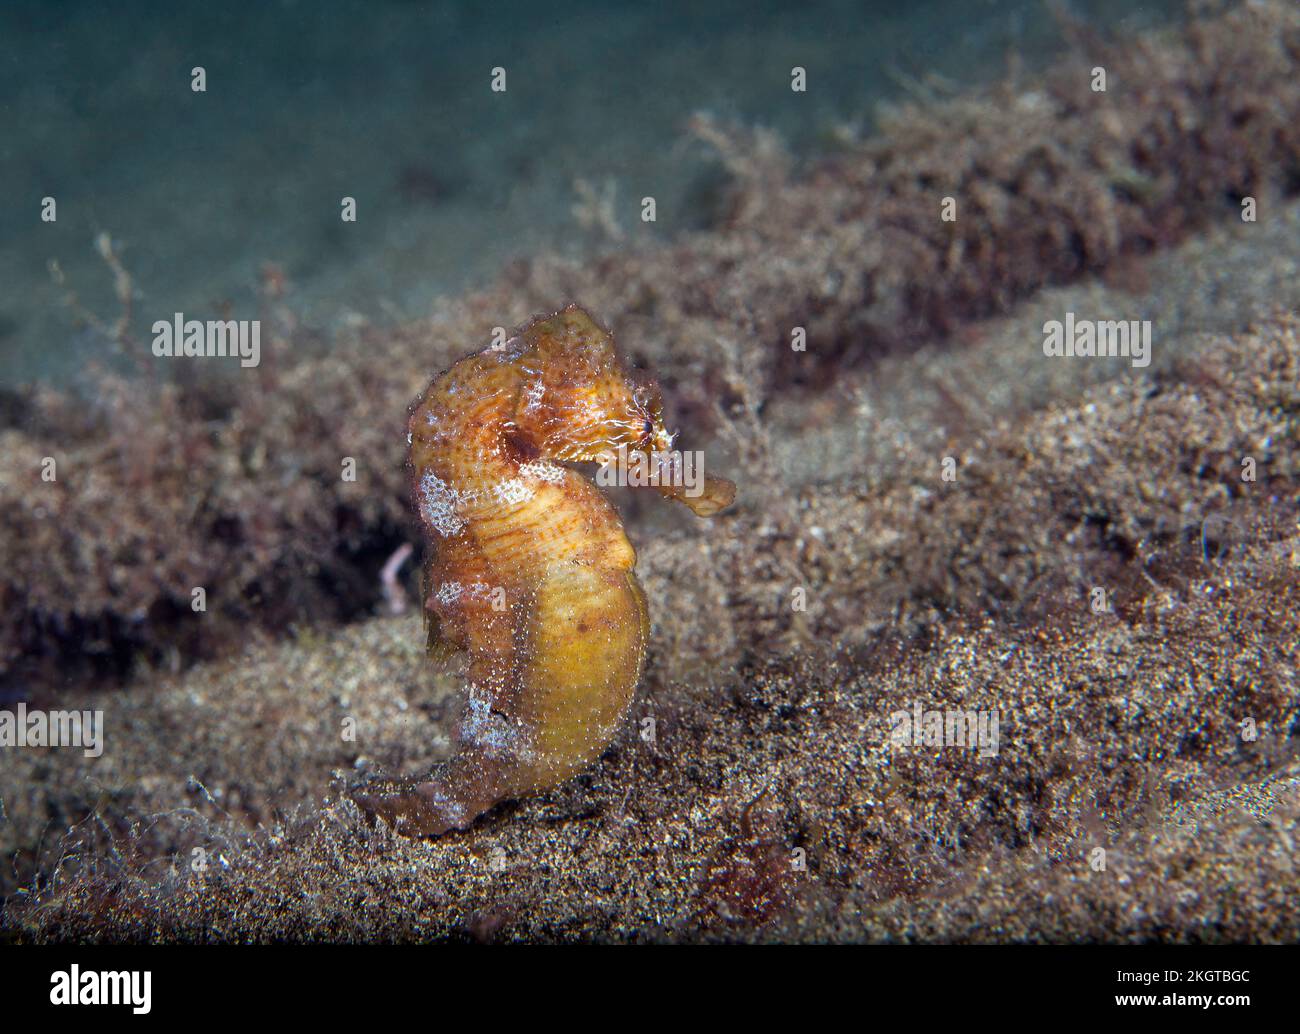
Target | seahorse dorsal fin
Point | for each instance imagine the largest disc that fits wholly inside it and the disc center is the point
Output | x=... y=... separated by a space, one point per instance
x=440 y=648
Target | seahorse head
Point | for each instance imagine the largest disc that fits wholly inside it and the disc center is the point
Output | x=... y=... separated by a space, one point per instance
x=578 y=402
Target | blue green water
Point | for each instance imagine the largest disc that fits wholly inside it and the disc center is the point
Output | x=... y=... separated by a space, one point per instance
x=391 y=103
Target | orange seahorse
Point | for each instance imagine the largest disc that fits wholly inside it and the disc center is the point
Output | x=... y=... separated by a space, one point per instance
x=530 y=571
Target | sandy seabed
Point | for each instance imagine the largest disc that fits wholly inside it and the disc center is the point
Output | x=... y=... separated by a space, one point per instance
x=1145 y=783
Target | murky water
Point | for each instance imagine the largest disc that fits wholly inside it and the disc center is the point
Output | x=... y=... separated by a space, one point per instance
x=208 y=194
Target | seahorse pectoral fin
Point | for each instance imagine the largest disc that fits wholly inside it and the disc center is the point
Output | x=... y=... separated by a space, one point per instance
x=440 y=647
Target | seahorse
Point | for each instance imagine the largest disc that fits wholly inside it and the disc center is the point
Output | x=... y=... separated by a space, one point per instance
x=530 y=571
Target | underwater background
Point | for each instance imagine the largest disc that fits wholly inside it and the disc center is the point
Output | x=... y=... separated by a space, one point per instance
x=388 y=102
x=1106 y=554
